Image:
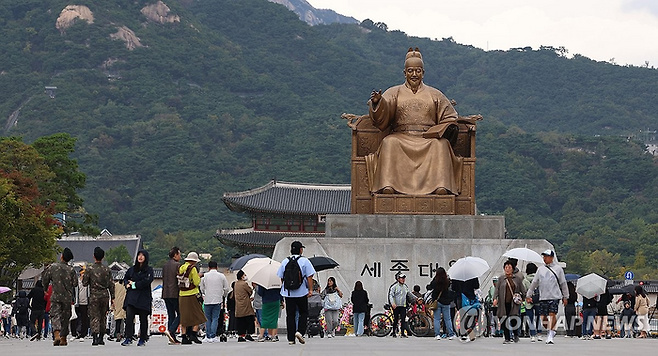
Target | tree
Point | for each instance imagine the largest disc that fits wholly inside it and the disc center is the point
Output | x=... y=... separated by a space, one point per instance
x=118 y=254
x=62 y=188
x=29 y=198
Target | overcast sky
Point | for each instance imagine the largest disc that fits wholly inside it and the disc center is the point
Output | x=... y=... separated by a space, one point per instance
x=626 y=30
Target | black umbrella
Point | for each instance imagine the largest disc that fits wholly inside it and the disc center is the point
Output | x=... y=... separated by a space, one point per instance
x=240 y=262
x=320 y=263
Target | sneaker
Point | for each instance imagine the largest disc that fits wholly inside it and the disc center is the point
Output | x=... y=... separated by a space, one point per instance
x=329 y=335
x=533 y=339
x=404 y=336
x=291 y=342
x=451 y=337
x=300 y=338
x=141 y=342
x=127 y=342
x=394 y=335
x=549 y=341
x=170 y=337
x=516 y=338
x=437 y=337
x=249 y=338
x=275 y=339
x=242 y=339
x=539 y=338
x=507 y=342
x=261 y=339
x=206 y=340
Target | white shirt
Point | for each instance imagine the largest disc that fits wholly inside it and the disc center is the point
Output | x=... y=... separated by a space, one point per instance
x=214 y=287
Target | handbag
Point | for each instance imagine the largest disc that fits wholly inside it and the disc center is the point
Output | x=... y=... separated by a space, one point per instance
x=434 y=304
x=516 y=297
x=332 y=301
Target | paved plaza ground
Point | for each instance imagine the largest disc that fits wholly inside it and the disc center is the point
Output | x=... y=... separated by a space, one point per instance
x=342 y=346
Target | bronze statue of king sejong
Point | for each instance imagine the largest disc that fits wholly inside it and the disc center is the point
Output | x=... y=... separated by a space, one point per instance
x=417 y=157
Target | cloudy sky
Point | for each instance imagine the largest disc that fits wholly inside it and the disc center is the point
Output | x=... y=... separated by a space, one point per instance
x=626 y=30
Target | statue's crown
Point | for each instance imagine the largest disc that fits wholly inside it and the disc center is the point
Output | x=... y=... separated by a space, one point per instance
x=413 y=53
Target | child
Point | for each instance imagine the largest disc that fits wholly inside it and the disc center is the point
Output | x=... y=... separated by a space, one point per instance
x=627 y=315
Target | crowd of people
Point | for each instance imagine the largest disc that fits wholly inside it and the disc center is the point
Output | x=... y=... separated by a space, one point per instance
x=70 y=305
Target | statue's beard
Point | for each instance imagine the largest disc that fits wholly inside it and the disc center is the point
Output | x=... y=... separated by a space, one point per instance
x=414 y=85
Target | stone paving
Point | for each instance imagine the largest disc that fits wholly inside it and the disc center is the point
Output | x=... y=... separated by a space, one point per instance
x=342 y=346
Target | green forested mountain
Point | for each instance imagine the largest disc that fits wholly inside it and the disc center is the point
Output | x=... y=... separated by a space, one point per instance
x=230 y=94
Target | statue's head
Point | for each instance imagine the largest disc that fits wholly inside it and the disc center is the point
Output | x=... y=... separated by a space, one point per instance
x=413 y=68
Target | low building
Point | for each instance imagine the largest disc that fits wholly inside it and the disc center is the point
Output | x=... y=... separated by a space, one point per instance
x=283 y=209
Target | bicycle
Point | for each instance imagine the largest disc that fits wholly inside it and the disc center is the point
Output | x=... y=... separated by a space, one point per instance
x=381 y=324
x=419 y=323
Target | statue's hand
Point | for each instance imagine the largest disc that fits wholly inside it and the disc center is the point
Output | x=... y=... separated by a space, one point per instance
x=375 y=96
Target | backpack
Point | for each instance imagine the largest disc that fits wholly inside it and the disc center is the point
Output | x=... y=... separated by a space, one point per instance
x=184 y=282
x=22 y=306
x=292 y=275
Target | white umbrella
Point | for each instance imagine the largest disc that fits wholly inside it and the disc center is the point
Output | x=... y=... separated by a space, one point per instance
x=591 y=285
x=263 y=272
x=524 y=254
x=468 y=268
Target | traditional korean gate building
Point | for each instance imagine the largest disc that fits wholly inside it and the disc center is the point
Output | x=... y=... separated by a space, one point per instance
x=283 y=209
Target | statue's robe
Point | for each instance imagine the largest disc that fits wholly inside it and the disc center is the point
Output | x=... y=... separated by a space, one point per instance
x=416 y=158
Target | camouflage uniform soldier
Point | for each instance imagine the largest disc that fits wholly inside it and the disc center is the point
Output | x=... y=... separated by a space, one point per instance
x=64 y=281
x=101 y=291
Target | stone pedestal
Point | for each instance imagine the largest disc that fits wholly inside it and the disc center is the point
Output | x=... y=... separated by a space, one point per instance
x=373 y=248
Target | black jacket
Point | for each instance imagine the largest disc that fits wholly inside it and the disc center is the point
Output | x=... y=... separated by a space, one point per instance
x=359 y=301
x=140 y=296
x=37 y=297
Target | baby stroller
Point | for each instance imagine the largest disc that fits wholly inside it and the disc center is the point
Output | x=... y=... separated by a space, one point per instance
x=315 y=306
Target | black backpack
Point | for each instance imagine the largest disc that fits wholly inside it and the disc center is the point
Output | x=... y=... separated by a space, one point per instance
x=292 y=275
x=22 y=306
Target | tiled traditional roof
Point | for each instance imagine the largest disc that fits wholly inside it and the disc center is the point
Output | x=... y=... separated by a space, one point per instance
x=292 y=198
x=83 y=246
x=250 y=238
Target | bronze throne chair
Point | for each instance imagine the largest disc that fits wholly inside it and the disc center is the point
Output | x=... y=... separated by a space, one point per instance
x=366 y=139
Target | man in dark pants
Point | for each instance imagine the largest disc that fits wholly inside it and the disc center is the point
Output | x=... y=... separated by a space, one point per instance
x=64 y=282
x=297 y=299
x=170 y=293
x=101 y=292
x=397 y=297
x=38 y=304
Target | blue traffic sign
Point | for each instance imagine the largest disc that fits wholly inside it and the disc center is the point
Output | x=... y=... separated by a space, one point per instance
x=629 y=275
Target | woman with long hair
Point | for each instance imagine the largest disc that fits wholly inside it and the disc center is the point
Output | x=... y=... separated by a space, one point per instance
x=642 y=311
x=441 y=292
x=331 y=295
x=138 y=300
x=359 y=307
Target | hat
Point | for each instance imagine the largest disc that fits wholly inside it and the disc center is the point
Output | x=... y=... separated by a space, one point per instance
x=548 y=252
x=192 y=256
x=297 y=245
x=495 y=278
x=401 y=275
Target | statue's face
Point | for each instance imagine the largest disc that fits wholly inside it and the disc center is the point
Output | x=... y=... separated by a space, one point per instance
x=414 y=75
